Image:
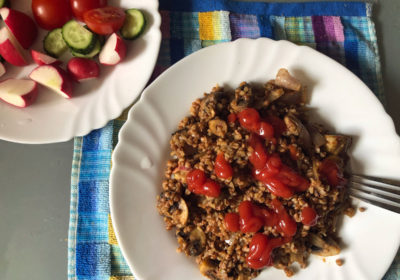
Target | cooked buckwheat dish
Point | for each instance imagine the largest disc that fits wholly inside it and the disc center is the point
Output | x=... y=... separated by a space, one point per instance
x=252 y=183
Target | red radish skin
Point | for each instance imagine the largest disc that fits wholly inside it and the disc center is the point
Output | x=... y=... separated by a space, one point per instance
x=11 y=50
x=44 y=59
x=2 y=69
x=113 y=51
x=20 y=93
x=82 y=69
x=21 y=26
x=54 y=78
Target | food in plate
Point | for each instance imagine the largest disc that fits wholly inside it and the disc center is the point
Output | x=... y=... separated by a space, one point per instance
x=11 y=50
x=18 y=92
x=54 y=78
x=252 y=183
x=50 y=14
x=20 y=25
x=84 y=42
x=82 y=69
x=114 y=51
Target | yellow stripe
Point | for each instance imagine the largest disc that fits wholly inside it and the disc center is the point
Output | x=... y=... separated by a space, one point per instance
x=112 y=239
x=122 y=278
x=216 y=21
x=206 y=28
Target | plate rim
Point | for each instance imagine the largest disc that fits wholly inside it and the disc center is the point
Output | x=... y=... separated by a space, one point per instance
x=124 y=129
x=113 y=114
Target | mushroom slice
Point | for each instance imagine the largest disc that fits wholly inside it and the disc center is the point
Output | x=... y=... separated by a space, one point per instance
x=207 y=107
x=197 y=242
x=323 y=247
x=295 y=127
x=179 y=212
x=274 y=95
x=317 y=138
x=336 y=144
x=184 y=212
x=243 y=98
x=284 y=79
x=208 y=268
x=218 y=127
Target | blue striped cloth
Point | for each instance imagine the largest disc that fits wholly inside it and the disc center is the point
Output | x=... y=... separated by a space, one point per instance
x=341 y=30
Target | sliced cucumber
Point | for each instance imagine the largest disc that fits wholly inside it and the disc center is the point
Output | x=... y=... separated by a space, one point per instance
x=54 y=43
x=93 y=53
x=78 y=38
x=101 y=38
x=134 y=24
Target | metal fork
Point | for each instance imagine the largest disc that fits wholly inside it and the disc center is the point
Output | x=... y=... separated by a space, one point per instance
x=377 y=191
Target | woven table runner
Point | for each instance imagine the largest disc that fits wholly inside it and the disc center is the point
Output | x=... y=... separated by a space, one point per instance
x=342 y=30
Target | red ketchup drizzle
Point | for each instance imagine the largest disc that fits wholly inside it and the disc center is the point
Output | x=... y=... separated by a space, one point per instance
x=198 y=183
x=250 y=119
x=222 y=168
x=252 y=218
x=248 y=221
x=280 y=179
x=309 y=216
x=260 y=250
x=232 y=222
x=286 y=223
x=332 y=172
x=232 y=118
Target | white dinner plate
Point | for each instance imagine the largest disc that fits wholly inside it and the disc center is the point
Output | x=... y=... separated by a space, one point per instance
x=53 y=118
x=342 y=102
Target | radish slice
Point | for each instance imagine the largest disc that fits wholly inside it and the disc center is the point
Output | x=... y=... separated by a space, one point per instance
x=113 y=51
x=20 y=93
x=54 y=78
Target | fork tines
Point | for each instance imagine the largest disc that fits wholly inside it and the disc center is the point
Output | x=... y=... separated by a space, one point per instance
x=377 y=191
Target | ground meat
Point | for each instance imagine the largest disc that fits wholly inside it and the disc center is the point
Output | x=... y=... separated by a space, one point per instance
x=199 y=219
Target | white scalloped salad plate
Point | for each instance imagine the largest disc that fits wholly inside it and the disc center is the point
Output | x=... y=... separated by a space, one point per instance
x=342 y=102
x=53 y=118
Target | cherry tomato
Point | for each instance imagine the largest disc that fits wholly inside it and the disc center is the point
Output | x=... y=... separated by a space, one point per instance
x=232 y=222
x=222 y=168
x=249 y=119
x=308 y=216
x=210 y=188
x=50 y=14
x=104 y=20
x=195 y=179
x=79 y=7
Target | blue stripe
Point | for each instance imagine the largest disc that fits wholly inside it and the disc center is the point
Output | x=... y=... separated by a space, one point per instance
x=351 y=54
x=265 y=26
x=177 y=51
x=257 y=8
